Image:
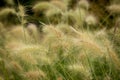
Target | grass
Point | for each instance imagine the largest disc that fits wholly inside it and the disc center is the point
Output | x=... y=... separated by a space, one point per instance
x=64 y=49
x=67 y=56
x=8 y=13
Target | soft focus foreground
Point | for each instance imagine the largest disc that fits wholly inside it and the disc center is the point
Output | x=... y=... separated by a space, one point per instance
x=59 y=40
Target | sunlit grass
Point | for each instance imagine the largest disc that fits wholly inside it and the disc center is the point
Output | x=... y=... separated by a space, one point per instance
x=67 y=48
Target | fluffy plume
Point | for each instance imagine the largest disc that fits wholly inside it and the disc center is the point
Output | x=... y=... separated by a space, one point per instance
x=115 y=8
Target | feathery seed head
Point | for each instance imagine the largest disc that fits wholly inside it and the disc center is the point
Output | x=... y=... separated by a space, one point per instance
x=59 y=4
x=54 y=15
x=83 y=4
x=15 y=66
x=114 y=8
x=6 y=14
x=10 y=2
x=21 y=11
x=35 y=75
x=80 y=69
x=41 y=7
x=19 y=33
x=33 y=30
x=91 y=20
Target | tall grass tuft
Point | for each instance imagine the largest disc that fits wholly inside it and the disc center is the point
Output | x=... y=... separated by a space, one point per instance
x=41 y=7
x=84 y=4
x=115 y=8
x=59 y=4
x=8 y=13
x=54 y=15
x=65 y=51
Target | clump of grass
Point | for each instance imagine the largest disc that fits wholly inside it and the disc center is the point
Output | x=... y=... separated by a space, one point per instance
x=75 y=17
x=80 y=17
x=91 y=22
x=1 y=28
x=84 y=4
x=80 y=70
x=15 y=66
x=59 y=4
x=41 y=7
x=71 y=4
x=34 y=32
x=114 y=37
x=90 y=50
x=22 y=34
x=54 y=15
x=6 y=14
x=68 y=18
x=36 y=75
x=98 y=8
x=66 y=51
x=21 y=14
x=114 y=8
x=10 y=2
x=2 y=35
x=66 y=29
x=84 y=56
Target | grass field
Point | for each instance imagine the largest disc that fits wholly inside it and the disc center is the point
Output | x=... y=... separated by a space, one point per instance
x=60 y=40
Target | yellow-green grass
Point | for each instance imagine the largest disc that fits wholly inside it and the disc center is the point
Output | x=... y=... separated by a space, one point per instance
x=64 y=50
x=88 y=55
